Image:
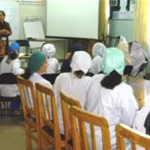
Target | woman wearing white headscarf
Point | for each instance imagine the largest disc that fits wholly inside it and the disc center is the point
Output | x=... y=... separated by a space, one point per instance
x=109 y=96
x=138 y=57
x=97 y=52
x=73 y=83
x=50 y=51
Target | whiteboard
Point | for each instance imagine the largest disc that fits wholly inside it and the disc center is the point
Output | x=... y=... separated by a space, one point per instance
x=34 y=29
x=11 y=10
x=72 y=18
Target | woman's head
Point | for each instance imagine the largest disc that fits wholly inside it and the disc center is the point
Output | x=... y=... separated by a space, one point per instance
x=14 y=47
x=81 y=61
x=98 y=49
x=13 y=50
x=113 y=59
x=113 y=64
x=2 y=15
x=49 y=49
x=37 y=62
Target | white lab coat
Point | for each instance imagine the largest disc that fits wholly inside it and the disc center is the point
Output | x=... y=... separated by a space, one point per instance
x=96 y=65
x=140 y=119
x=138 y=57
x=15 y=68
x=37 y=78
x=53 y=65
x=71 y=85
x=117 y=105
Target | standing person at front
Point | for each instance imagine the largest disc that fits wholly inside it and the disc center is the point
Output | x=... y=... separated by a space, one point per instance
x=109 y=96
x=5 y=31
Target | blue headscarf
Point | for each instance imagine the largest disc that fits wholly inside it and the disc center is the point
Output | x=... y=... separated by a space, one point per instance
x=14 y=47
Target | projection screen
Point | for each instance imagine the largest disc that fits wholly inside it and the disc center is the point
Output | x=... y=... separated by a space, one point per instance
x=72 y=18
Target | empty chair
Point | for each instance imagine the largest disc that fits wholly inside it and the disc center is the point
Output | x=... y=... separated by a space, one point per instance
x=24 y=43
x=123 y=131
x=79 y=131
x=30 y=111
x=66 y=102
x=49 y=127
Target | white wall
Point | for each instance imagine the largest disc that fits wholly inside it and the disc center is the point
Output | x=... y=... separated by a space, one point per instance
x=27 y=10
x=117 y=27
x=122 y=27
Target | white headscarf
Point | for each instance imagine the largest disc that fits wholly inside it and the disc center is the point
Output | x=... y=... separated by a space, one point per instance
x=138 y=57
x=137 y=52
x=49 y=49
x=81 y=61
x=123 y=39
x=98 y=49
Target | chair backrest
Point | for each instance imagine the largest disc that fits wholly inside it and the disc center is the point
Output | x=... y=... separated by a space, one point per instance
x=24 y=43
x=30 y=108
x=135 y=137
x=79 y=131
x=8 y=78
x=66 y=102
x=48 y=115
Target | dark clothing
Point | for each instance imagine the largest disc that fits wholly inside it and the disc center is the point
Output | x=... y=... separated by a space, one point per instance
x=66 y=65
x=147 y=124
x=5 y=25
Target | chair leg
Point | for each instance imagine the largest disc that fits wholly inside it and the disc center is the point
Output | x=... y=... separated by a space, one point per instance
x=28 y=138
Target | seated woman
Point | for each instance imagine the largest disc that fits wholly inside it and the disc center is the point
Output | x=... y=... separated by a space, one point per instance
x=138 y=57
x=37 y=65
x=11 y=64
x=97 y=52
x=53 y=64
x=73 y=83
x=109 y=96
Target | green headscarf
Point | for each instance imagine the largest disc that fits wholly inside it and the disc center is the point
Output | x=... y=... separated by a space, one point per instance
x=113 y=59
x=36 y=60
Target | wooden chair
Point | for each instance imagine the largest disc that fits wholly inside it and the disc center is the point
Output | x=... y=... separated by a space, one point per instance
x=30 y=111
x=134 y=136
x=80 y=140
x=49 y=125
x=66 y=102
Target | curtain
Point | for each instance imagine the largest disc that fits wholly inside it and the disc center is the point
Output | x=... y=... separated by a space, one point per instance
x=103 y=18
x=141 y=20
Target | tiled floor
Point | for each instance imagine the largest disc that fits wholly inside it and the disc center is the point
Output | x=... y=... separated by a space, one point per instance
x=12 y=134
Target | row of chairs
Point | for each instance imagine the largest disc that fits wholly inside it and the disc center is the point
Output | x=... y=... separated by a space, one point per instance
x=41 y=122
